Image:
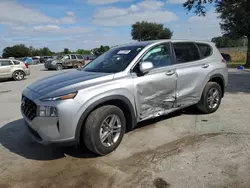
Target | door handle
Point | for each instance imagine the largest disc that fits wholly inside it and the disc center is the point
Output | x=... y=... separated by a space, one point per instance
x=170 y=73
x=205 y=66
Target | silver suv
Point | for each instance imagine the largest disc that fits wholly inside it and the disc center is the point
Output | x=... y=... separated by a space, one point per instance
x=122 y=87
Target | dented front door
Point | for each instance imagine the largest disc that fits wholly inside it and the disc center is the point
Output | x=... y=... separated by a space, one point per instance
x=155 y=91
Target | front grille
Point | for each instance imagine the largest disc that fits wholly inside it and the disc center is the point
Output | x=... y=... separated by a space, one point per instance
x=29 y=108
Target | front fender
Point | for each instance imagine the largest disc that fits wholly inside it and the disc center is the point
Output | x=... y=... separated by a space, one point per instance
x=96 y=101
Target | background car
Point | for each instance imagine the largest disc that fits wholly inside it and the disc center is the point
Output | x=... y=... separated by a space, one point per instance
x=43 y=59
x=13 y=69
x=36 y=60
x=28 y=60
x=66 y=61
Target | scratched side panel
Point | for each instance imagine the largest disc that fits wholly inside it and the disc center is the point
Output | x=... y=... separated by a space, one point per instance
x=155 y=94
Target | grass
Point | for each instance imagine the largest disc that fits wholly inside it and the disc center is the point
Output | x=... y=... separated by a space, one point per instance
x=235 y=64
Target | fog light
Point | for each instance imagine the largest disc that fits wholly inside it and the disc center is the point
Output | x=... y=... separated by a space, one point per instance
x=48 y=111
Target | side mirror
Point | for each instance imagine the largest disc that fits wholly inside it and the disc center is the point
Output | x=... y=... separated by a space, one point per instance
x=146 y=66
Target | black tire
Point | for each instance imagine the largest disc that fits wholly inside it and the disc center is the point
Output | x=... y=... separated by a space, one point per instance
x=92 y=128
x=18 y=75
x=59 y=67
x=203 y=105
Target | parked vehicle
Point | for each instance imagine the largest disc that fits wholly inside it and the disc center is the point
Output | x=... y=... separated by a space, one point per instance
x=36 y=60
x=122 y=87
x=45 y=58
x=13 y=69
x=67 y=61
x=89 y=57
x=28 y=60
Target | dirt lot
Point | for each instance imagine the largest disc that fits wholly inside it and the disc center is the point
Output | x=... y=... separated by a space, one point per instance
x=184 y=149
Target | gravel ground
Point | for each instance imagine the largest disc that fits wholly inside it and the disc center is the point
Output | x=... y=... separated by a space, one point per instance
x=184 y=149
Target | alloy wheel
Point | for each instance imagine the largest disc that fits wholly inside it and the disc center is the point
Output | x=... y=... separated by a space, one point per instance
x=110 y=130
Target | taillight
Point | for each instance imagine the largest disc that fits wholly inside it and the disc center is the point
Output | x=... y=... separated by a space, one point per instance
x=223 y=61
x=26 y=64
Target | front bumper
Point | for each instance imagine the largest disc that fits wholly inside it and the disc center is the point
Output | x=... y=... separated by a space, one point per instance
x=52 y=130
x=49 y=66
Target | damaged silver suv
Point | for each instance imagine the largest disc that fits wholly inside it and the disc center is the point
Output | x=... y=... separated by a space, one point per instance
x=122 y=87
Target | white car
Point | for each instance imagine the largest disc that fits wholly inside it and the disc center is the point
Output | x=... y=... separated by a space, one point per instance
x=15 y=69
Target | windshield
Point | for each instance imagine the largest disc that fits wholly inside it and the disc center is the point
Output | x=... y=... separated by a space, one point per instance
x=115 y=60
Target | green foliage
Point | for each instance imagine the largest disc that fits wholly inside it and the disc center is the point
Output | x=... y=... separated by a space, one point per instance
x=82 y=51
x=143 y=31
x=226 y=41
x=46 y=51
x=21 y=50
x=100 y=50
x=234 y=16
x=16 y=51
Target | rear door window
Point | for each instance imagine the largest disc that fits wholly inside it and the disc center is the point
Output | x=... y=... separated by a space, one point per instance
x=205 y=49
x=186 y=52
x=73 y=57
x=79 y=57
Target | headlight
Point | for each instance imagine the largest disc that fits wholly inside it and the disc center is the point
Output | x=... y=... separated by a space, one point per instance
x=47 y=111
x=53 y=62
x=62 y=97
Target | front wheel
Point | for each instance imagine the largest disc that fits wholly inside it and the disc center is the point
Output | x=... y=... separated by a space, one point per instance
x=104 y=129
x=59 y=67
x=211 y=98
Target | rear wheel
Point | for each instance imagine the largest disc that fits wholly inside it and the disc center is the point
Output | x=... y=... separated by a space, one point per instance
x=18 y=75
x=59 y=67
x=211 y=98
x=104 y=129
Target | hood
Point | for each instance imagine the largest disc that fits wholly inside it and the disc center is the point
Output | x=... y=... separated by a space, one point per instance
x=66 y=82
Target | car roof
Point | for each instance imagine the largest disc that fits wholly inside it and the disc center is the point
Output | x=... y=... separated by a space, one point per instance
x=146 y=43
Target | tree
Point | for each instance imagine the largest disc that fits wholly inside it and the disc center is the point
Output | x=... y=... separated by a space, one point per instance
x=234 y=16
x=100 y=50
x=82 y=51
x=16 y=51
x=45 y=51
x=143 y=31
x=66 y=51
x=227 y=41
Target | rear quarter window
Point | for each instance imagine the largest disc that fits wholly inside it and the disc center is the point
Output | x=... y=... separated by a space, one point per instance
x=16 y=62
x=205 y=49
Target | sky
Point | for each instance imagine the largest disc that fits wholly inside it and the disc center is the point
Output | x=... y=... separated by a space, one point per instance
x=86 y=24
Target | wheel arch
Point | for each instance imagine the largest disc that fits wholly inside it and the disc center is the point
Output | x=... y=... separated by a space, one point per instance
x=117 y=100
x=218 y=78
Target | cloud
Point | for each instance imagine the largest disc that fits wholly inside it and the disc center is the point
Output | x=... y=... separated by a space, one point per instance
x=47 y=31
x=199 y=28
x=88 y=40
x=176 y=1
x=102 y=2
x=149 y=10
x=16 y=14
